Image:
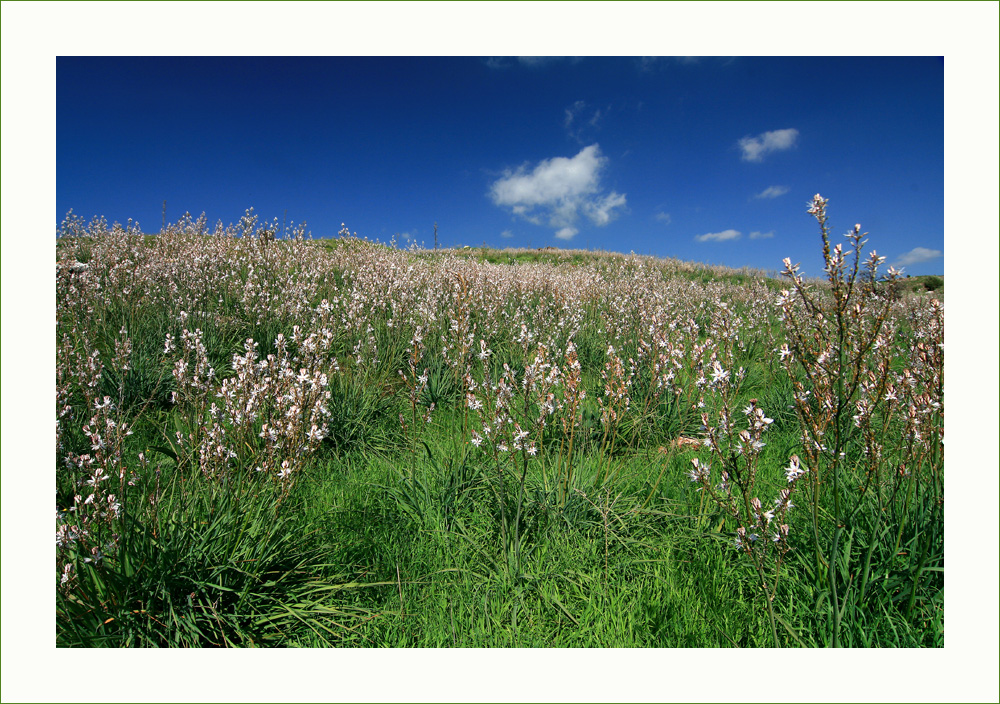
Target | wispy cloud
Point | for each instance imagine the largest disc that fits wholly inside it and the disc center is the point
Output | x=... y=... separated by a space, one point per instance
x=773 y=192
x=506 y=234
x=536 y=60
x=601 y=210
x=558 y=191
x=663 y=217
x=754 y=148
x=648 y=63
x=500 y=62
x=757 y=235
x=918 y=255
x=580 y=119
x=724 y=236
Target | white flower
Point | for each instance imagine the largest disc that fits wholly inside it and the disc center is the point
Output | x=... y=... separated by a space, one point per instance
x=700 y=472
x=793 y=471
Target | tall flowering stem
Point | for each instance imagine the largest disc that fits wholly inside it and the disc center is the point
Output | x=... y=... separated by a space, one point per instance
x=839 y=354
x=574 y=393
x=761 y=533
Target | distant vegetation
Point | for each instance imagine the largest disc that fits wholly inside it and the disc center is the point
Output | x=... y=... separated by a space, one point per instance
x=271 y=441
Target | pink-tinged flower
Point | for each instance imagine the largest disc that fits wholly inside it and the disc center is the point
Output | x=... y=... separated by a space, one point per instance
x=484 y=351
x=818 y=205
x=783 y=502
x=793 y=471
x=700 y=473
x=286 y=470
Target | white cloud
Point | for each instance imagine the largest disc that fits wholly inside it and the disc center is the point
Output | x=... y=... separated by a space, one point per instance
x=723 y=236
x=506 y=234
x=664 y=218
x=602 y=210
x=918 y=255
x=558 y=190
x=756 y=235
x=754 y=148
x=773 y=192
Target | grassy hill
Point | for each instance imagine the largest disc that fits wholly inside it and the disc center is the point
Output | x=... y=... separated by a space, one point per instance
x=335 y=442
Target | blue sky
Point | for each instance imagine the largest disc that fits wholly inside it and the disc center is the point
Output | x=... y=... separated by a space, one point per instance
x=705 y=159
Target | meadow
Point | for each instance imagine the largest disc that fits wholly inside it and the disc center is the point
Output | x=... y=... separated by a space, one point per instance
x=266 y=440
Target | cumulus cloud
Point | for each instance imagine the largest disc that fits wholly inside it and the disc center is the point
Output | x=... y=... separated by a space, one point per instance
x=754 y=148
x=723 y=236
x=757 y=235
x=773 y=192
x=918 y=255
x=558 y=190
